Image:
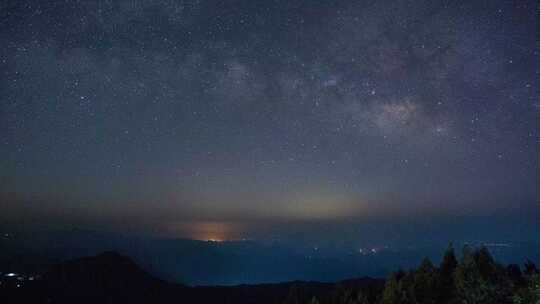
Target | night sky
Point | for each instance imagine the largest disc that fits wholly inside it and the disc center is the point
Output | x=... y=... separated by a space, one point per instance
x=259 y=119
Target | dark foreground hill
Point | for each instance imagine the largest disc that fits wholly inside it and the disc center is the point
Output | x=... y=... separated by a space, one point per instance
x=113 y=278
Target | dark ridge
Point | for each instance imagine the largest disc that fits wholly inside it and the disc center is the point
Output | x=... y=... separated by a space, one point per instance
x=105 y=278
x=106 y=270
x=113 y=278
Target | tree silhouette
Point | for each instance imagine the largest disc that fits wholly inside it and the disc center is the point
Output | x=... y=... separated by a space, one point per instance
x=392 y=290
x=426 y=283
x=448 y=265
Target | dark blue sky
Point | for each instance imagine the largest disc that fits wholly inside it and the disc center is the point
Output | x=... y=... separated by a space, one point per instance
x=231 y=119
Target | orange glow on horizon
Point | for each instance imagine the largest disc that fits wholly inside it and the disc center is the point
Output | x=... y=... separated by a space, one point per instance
x=213 y=231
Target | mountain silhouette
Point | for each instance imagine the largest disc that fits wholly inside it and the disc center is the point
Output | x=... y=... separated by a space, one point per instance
x=113 y=278
x=105 y=278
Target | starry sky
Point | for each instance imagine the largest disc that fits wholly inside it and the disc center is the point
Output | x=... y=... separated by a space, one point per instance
x=232 y=119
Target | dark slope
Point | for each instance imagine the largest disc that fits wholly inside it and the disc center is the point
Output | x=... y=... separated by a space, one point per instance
x=108 y=277
x=113 y=278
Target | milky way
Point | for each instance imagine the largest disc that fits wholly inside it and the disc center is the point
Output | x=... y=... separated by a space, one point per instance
x=162 y=113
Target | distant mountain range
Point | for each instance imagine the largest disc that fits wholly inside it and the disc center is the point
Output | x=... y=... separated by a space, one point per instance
x=113 y=278
x=194 y=262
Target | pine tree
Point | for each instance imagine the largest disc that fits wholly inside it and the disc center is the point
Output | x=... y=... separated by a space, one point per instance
x=449 y=262
x=392 y=292
x=448 y=266
x=478 y=279
x=426 y=283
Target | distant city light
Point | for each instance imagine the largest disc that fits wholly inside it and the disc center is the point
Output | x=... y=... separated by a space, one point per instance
x=497 y=245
